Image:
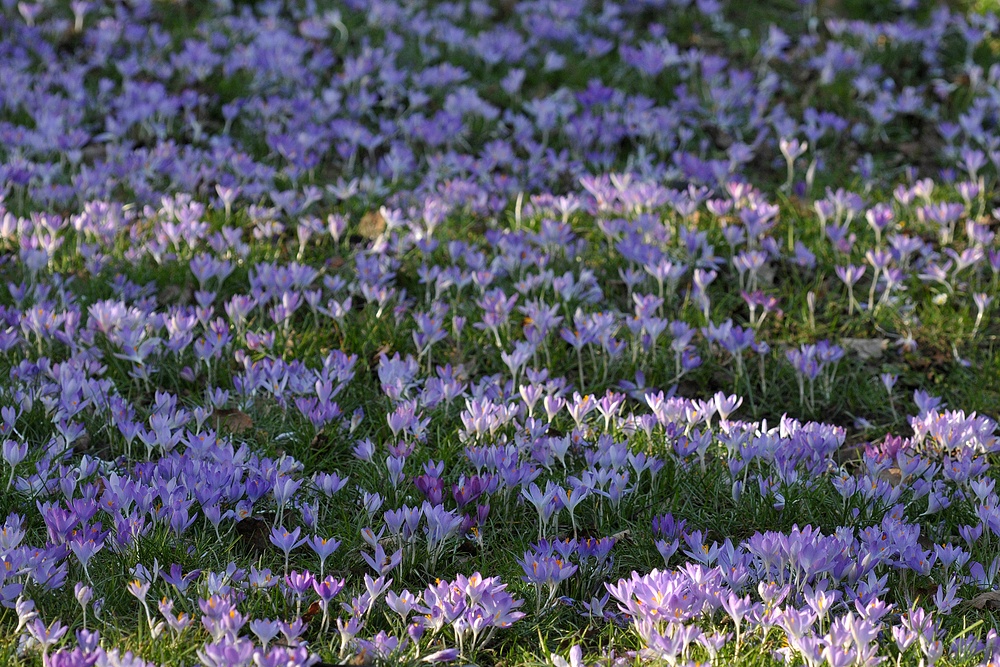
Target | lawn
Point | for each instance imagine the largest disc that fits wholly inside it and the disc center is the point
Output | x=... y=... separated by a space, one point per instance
x=558 y=332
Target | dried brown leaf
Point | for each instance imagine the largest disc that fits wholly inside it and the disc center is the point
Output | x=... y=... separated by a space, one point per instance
x=892 y=476
x=82 y=444
x=253 y=533
x=321 y=442
x=372 y=225
x=175 y=294
x=986 y=599
x=94 y=153
x=234 y=421
x=313 y=610
x=362 y=659
x=866 y=348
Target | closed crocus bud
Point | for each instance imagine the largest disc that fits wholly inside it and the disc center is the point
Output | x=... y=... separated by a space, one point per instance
x=415 y=630
x=444 y=655
x=83 y=593
x=13 y=452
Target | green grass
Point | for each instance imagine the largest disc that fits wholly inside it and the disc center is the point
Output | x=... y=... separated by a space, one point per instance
x=858 y=403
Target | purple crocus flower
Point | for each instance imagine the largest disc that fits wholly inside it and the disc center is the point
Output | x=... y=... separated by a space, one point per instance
x=287 y=541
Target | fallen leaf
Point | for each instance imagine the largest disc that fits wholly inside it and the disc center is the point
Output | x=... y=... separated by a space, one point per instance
x=910 y=149
x=94 y=153
x=865 y=348
x=234 y=421
x=175 y=294
x=253 y=533
x=362 y=659
x=892 y=476
x=848 y=454
x=765 y=275
x=320 y=442
x=987 y=599
x=372 y=225
x=101 y=448
x=82 y=444
x=312 y=611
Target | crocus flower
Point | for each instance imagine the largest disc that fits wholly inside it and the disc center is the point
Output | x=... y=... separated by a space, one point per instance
x=323 y=547
x=287 y=541
x=13 y=453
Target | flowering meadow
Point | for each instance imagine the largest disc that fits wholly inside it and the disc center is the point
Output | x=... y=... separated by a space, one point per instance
x=545 y=332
